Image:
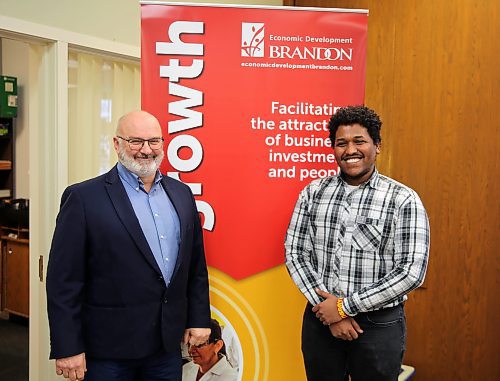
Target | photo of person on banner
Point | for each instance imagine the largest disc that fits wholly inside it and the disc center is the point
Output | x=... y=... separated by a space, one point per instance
x=356 y=245
x=209 y=360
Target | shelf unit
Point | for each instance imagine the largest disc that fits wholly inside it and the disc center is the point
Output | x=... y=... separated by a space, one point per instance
x=7 y=146
x=14 y=244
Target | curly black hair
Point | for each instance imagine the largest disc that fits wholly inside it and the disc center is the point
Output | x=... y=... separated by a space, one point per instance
x=362 y=115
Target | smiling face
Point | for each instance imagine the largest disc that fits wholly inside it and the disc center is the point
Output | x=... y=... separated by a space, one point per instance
x=143 y=161
x=355 y=153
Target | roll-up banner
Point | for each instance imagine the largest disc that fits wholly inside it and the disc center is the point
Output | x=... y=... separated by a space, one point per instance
x=244 y=95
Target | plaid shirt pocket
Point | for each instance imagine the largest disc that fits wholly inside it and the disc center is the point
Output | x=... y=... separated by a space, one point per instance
x=367 y=234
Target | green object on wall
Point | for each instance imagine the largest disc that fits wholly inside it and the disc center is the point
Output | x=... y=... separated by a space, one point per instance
x=8 y=97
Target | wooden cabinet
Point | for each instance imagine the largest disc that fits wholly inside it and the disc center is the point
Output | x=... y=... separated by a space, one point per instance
x=6 y=157
x=15 y=271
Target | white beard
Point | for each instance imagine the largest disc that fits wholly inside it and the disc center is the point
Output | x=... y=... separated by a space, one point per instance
x=138 y=168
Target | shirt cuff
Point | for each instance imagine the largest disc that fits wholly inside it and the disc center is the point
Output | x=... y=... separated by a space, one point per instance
x=348 y=307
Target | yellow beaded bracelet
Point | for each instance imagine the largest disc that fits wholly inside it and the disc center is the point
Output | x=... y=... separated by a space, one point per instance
x=340 y=309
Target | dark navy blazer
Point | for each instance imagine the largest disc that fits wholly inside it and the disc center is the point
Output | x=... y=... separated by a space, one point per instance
x=105 y=292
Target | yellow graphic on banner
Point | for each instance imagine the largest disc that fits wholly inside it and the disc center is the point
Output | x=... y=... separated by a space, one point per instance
x=263 y=343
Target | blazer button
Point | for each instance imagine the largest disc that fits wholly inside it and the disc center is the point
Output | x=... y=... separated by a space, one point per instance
x=165 y=300
x=160 y=278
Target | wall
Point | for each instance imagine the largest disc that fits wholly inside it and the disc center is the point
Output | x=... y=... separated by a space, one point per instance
x=93 y=17
x=432 y=74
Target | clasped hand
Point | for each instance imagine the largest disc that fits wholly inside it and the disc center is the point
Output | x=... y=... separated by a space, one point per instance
x=346 y=329
x=327 y=311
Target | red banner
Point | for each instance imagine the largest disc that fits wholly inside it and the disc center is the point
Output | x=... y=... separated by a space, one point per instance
x=244 y=95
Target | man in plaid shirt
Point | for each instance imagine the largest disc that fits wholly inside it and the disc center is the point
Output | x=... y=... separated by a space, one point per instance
x=356 y=245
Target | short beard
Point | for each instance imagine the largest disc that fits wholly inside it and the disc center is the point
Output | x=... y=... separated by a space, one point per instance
x=141 y=170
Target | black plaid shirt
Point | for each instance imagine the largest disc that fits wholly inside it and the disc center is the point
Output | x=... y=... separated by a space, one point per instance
x=370 y=246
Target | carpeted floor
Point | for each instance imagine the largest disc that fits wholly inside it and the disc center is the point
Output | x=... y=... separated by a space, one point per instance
x=13 y=349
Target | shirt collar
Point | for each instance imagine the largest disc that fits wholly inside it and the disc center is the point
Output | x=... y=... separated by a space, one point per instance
x=220 y=366
x=372 y=181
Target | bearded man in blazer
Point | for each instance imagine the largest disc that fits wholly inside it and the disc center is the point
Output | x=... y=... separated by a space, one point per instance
x=127 y=279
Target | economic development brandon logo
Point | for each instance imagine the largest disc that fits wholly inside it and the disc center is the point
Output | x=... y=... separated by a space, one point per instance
x=252 y=39
x=311 y=52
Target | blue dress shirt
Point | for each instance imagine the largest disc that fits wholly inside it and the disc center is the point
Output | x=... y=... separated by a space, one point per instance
x=157 y=217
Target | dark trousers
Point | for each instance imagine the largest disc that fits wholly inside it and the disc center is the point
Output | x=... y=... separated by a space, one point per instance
x=376 y=355
x=159 y=367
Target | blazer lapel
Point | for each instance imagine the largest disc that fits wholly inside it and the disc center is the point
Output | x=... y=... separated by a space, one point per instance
x=126 y=213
